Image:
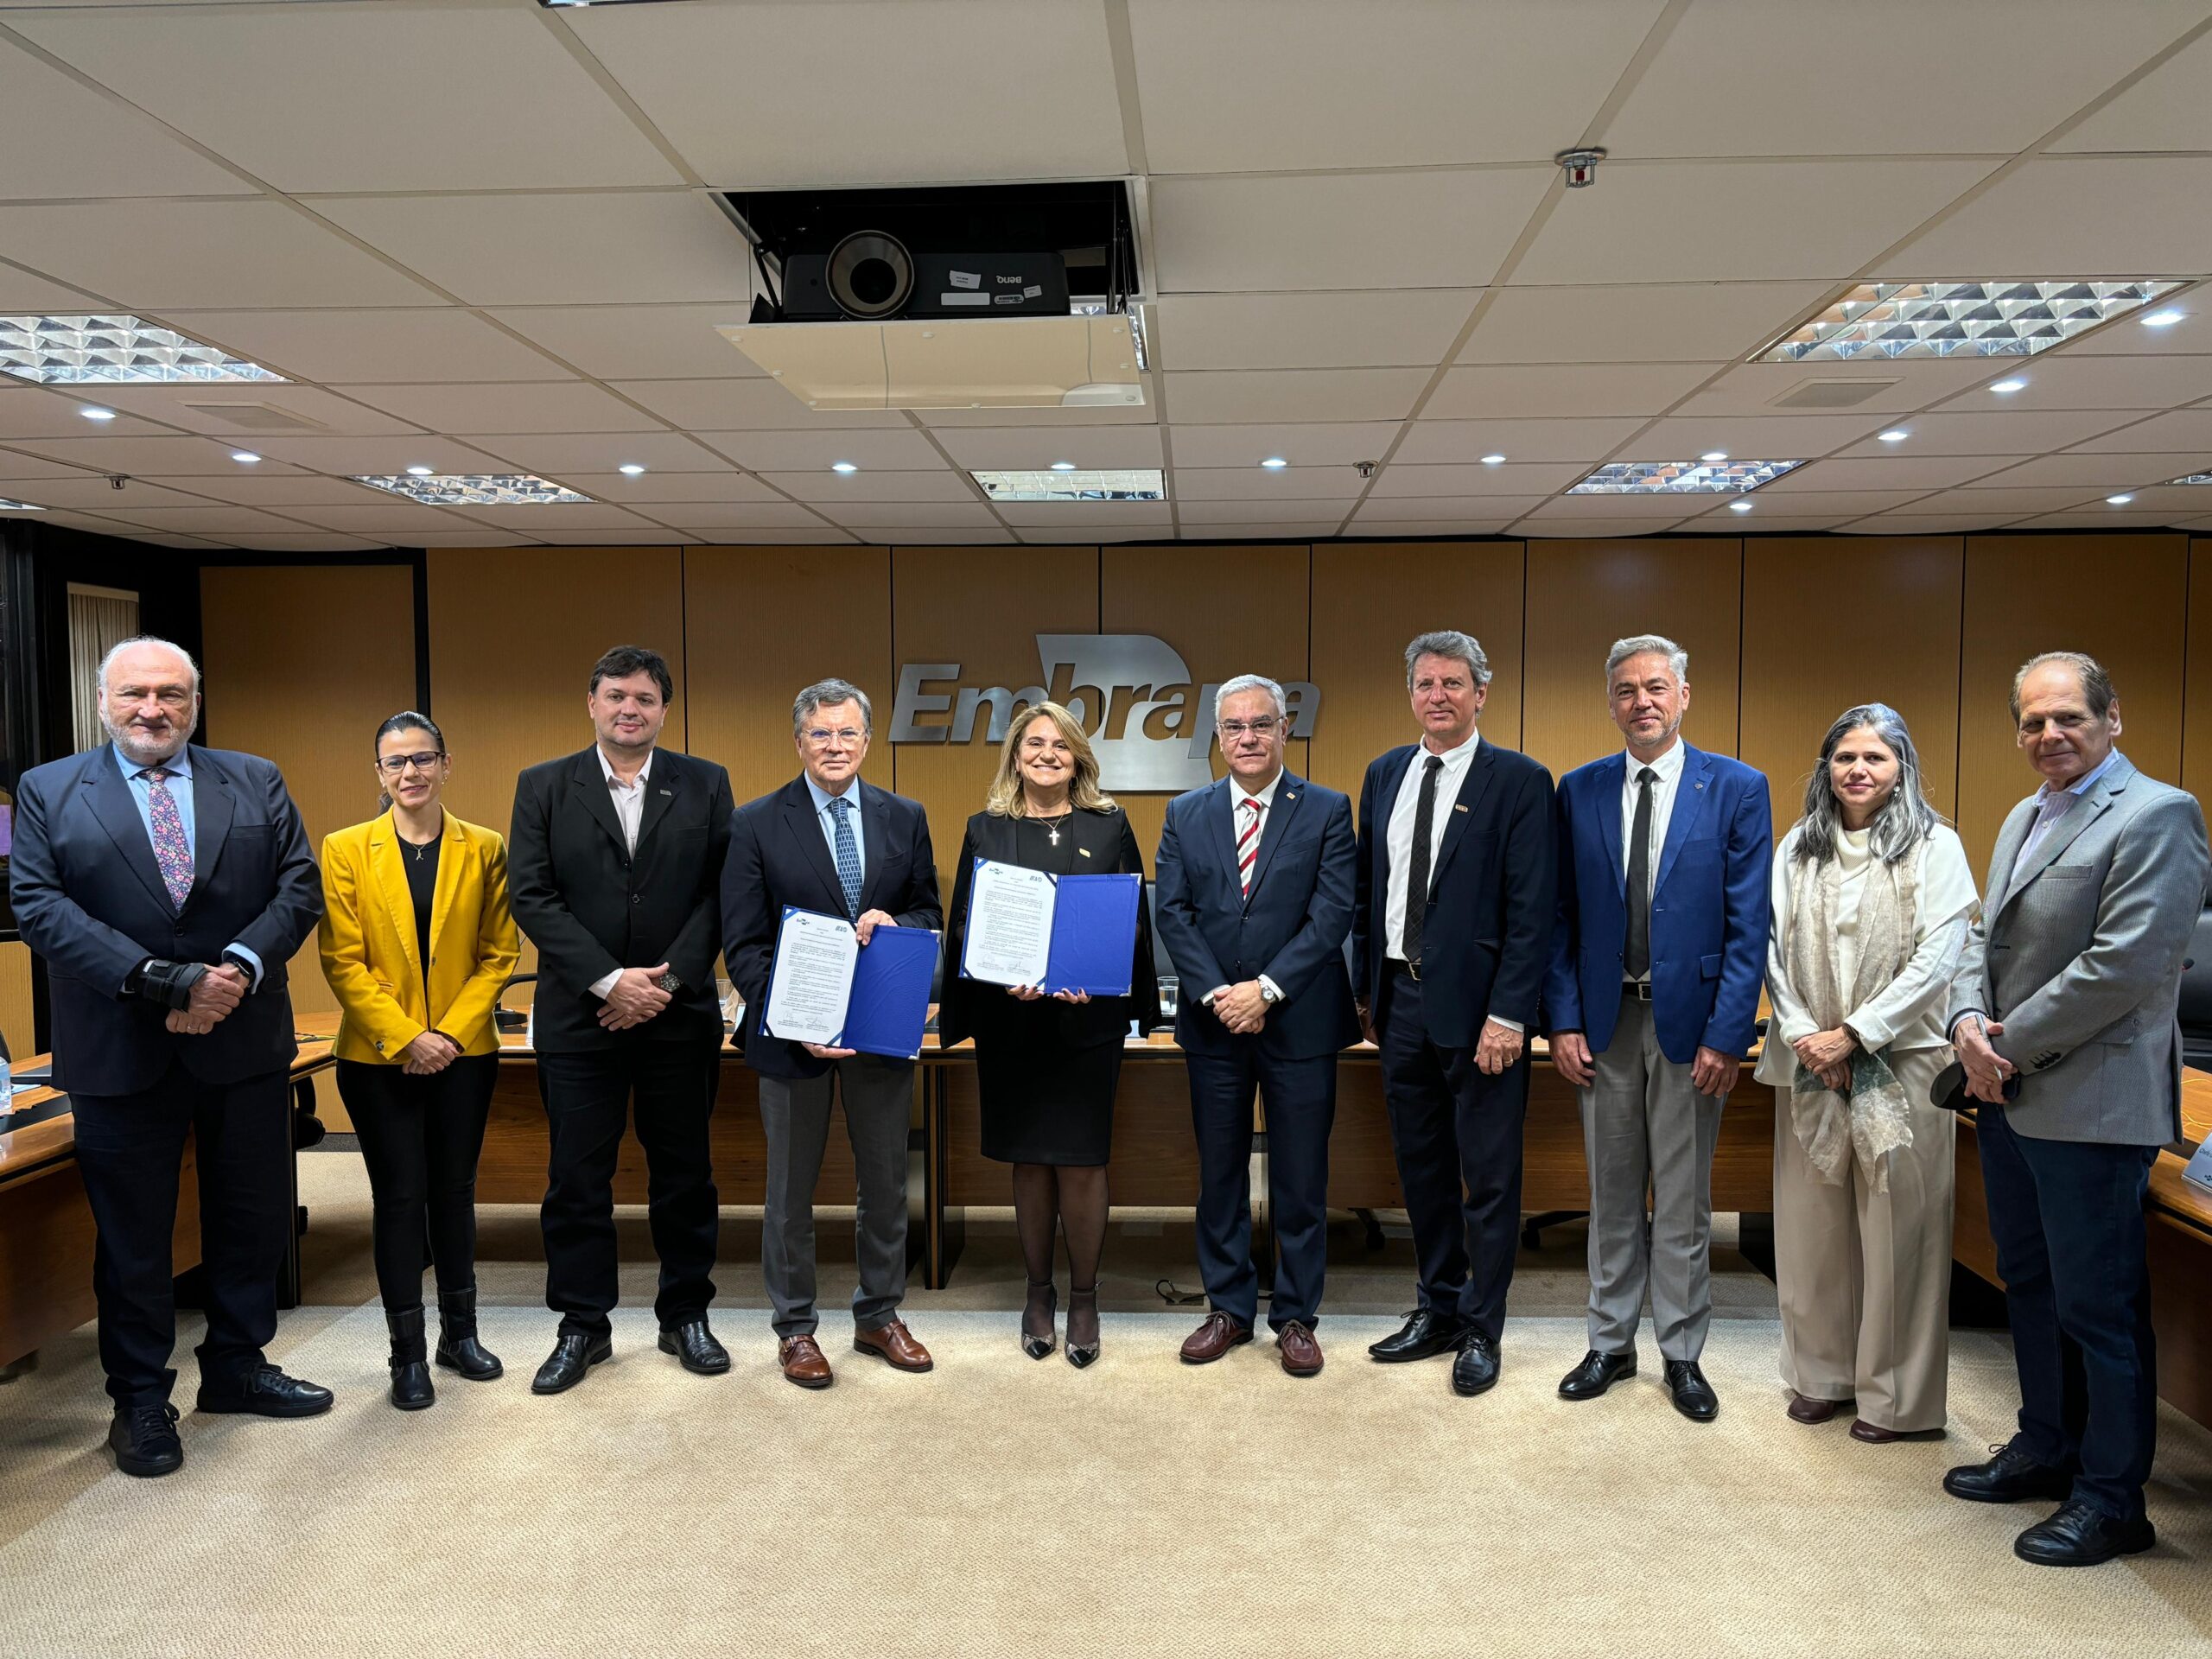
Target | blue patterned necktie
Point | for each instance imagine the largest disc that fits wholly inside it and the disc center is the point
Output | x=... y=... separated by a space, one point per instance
x=848 y=857
x=172 y=852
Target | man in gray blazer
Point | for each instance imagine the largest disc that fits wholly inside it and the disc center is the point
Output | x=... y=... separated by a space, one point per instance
x=2063 y=1013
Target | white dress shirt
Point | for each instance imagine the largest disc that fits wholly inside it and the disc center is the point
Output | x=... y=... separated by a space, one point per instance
x=629 y=807
x=1398 y=835
x=1237 y=813
x=1670 y=768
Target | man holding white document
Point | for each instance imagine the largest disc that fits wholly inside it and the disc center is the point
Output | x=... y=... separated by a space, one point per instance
x=827 y=843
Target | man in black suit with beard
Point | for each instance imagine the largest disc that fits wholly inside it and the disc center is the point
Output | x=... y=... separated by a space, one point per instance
x=613 y=862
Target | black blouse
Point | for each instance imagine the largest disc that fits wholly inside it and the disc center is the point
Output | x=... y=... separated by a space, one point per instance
x=422 y=863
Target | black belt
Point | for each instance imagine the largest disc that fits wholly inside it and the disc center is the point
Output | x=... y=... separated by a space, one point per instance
x=1410 y=969
x=1637 y=991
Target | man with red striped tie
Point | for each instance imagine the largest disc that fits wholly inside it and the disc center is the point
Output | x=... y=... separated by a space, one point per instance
x=1256 y=876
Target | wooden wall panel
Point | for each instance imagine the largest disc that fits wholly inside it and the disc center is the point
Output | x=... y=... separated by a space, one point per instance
x=1367 y=602
x=2121 y=598
x=1224 y=610
x=1583 y=595
x=15 y=1019
x=963 y=605
x=756 y=631
x=302 y=664
x=2197 y=711
x=1823 y=634
x=513 y=634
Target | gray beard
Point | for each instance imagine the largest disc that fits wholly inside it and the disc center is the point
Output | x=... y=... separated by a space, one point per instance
x=140 y=752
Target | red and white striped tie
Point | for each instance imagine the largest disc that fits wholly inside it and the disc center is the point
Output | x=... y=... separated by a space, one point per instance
x=1248 y=842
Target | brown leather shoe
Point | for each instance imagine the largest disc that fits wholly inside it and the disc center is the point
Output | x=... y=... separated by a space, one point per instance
x=805 y=1363
x=1216 y=1337
x=1802 y=1410
x=893 y=1343
x=1300 y=1348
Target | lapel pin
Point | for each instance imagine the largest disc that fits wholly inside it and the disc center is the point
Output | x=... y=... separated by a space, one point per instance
x=670 y=792
x=1456 y=807
x=1086 y=851
x=1290 y=794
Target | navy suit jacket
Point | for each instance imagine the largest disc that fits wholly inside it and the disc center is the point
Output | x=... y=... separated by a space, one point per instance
x=1708 y=910
x=777 y=857
x=1292 y=928
x=90 y=901
x=1487 y=934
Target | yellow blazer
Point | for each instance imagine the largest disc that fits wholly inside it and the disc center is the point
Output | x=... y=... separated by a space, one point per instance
x=368 y=940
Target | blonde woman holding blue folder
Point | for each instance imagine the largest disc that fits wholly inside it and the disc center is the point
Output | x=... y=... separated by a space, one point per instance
x=1047 y=1067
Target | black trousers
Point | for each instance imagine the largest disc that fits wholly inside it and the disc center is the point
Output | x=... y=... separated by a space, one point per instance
x=2072 y=1244
x=1457 y=1134
x=587 y=1096
x=130 y=1151
x=421 y=1138
x=1300 y=1096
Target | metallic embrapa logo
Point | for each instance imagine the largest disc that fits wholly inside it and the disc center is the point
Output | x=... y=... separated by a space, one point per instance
x=1150 y=725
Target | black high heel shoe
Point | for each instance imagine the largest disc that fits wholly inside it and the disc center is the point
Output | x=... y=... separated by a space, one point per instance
x=1079 y=1302
x=1044 y=1303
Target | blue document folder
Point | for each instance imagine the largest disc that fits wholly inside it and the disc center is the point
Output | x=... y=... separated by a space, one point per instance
x=1094 y=932
x=889 y=1002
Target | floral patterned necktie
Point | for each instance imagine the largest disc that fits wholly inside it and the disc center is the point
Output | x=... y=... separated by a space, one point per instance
x=171 y=850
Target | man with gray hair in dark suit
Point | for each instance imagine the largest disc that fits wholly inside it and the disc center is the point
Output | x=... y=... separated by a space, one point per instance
x=2064 y=1013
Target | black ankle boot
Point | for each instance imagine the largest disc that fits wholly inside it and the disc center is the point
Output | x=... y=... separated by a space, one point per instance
x=410 y=1374
x=458 y=1349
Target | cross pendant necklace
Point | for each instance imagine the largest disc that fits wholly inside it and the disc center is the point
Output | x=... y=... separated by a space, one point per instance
x=1052 y=826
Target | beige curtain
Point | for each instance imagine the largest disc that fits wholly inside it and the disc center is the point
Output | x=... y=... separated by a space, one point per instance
x=100 y=618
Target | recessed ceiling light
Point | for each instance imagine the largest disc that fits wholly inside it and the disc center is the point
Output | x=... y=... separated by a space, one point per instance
x=1275 y=463
x=244 y=457
x=2118 y=500
x=1739 y=506
x=1681 y=477
x=2007 y=386
x=843 y=467
x=629 y=469
x=1063 y=466
x=7 y=505
x=2164 y=319
x=1493 y=460
x=473 y=489
x=1129 y=484
x=1984 y=318
x=1714 y=455
x=1895 y=435
x=86 y=351
x=97 y=414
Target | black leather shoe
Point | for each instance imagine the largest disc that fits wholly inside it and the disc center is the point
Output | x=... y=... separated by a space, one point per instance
x=2081 y=1534
x=572 y=1356
x=143 y=1440
x=1694 y=1395
x=1427 y=1333
x=695 y=1345
x=1475 y=1371
x=265 y=1391
x=458 y=1348
x=2007 y=1477
x=1597 y=1372
x=411 y=1389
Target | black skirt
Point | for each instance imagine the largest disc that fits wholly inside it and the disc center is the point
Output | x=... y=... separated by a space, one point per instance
x=1044 y=1103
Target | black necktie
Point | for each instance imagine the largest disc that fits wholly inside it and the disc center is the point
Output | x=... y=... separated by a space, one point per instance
x=1636 y=958
x=1417 y=865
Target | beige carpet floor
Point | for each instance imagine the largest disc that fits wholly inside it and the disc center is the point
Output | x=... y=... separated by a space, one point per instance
x=1003 y=1505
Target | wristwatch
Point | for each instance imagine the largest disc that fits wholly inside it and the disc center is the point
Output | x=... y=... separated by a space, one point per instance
x=669 y=982
x=1269 y=994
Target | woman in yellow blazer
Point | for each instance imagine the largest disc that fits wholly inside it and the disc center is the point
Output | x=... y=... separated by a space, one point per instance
x=416 y=1061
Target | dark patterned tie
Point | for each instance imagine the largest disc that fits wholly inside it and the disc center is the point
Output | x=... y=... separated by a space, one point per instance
x=848 y=857
x=1417 y=864
x=172 y=852
x=1636 y=956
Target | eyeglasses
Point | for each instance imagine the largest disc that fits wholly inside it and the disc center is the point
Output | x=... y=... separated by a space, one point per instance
x=843 y=734
x=1263 y=727
x=392 y=765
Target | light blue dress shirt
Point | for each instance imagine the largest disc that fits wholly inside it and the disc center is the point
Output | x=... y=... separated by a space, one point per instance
x=2047 y=819
x=829 y=819
x=178 y=768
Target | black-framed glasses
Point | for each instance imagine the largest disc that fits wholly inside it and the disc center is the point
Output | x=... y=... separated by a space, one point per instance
x=392 y=765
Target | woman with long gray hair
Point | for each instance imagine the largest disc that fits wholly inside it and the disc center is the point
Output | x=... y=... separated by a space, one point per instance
x=1872 y=897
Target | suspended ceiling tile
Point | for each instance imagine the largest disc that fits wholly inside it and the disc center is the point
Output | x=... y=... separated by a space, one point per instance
x=151 y=457
x=565 y=406
x=442 y=344
x=2061 y=380
x=878 y=518
x=2182 y=429
x=1499 y=509
x=1637 y=322
x=639 y=342
x=1757 y=389
x=825 y=487
x=1294 y=489
x=892 y=450
x=2073 y=216
x=663 y=490
x=2107 y=472
x=553 y=455
x=1507 y=478
x=1233 y=397
x=1999 y=432
x=234 y=410
x=1312 y=443
x=1018 y=448
x=1443 y=441
x=1382 y=328
x=361 y=455
x=1894 y=471
x=757 y=403
x=1493 y=391
x=69 y=141
x=1750 y=437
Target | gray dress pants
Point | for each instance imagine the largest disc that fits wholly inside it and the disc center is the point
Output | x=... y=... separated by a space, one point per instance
x=878 y=1095
x=1643 y=1124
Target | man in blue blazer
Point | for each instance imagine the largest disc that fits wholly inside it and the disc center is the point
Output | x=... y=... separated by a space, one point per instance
x=1256 y=876
x=828 y=841
x=1450 y=936
x=166 y=887
x=1651 y=1003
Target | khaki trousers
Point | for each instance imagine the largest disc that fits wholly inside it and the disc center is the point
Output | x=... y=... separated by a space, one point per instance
x=1864 y=1277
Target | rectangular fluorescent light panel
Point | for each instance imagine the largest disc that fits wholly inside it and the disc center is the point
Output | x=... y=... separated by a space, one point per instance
x=1134 y=484
x=475 y=489
x=18 y=507
x=1682 y=477
x=2195 y=478
x=1992 y=319
x=113 y=351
